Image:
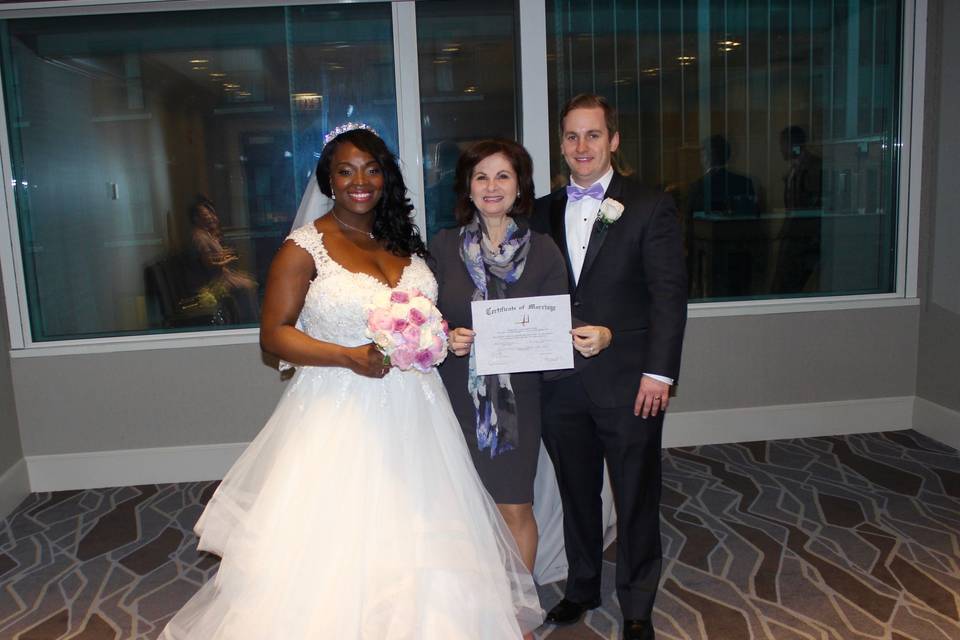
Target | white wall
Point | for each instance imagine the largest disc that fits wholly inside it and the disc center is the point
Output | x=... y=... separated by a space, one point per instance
x=938 y=375
x=13 y=479
x=223 y=394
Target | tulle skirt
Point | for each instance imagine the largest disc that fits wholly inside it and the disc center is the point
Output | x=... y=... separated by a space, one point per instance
x=357 y=514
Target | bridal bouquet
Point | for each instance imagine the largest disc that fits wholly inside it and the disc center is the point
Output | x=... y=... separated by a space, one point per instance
x=408 y=329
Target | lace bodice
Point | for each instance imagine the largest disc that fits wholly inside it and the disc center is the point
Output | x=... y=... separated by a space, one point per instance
x=335 y=307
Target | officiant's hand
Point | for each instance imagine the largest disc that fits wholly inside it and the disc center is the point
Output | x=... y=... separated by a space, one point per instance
x=589 y=340
x=366 y=360
x=460 y=340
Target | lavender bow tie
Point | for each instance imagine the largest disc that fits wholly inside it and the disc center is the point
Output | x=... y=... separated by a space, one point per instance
x=575 y=193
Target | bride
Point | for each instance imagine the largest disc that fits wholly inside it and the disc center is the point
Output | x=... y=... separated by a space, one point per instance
x=356 y=513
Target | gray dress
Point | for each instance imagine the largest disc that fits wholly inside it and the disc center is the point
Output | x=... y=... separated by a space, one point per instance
x=509 y=476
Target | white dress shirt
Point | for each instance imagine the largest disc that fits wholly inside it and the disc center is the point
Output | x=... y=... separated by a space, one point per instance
x=579 y=219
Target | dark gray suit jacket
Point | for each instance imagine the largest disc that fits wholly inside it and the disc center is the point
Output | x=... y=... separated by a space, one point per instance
x=633 y=281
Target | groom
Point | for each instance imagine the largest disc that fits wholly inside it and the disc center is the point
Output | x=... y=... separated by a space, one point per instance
x=628 y=287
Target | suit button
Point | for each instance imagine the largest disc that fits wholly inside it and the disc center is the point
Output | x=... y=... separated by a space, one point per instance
x=576 y=303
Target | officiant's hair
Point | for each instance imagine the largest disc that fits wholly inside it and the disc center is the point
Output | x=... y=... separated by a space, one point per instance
x=392 y=220
x=464 y=210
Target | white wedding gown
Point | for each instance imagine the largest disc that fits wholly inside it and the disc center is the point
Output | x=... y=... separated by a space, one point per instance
x=356 y=512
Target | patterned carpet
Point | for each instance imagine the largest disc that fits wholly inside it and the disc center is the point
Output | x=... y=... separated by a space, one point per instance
x=844 y=537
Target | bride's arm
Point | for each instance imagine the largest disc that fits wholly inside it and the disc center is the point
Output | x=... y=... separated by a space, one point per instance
x=287 y=284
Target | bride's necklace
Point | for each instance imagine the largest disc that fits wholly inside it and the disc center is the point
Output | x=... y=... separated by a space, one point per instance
x=369 y=234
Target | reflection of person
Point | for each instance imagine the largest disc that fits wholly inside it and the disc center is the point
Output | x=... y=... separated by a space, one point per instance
x=211 y=270
x=356 y=512
x=719 y=266
x=439 y=197
x=629 y=284
x=798 y=258
x=802 y=184
x=492 y=255
x=719 y=190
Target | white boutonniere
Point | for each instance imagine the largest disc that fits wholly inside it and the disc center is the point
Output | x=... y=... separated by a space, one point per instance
x=610 y=211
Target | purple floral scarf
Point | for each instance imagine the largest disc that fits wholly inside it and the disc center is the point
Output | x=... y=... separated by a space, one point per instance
x=491 y=271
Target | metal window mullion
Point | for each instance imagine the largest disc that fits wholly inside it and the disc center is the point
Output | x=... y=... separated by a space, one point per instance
x=11 y=251
x=683 y=80
x=913 y=69
x=748 y=80
x=661 y=171
x=534 y=100
x=407 y=77
x=636 y=13
x=726 y=74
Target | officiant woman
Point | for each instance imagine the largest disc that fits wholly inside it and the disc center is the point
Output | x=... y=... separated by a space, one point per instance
x=493 y=254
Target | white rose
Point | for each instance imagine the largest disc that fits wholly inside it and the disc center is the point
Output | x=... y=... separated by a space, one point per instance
x=399 y=310
x=610 y=211
x=381 y=300
x=426 y=338
x=382 y=339
x=422 y=305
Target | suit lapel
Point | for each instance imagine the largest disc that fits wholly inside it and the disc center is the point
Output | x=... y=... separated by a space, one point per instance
x=558 y=229
x=599 y=233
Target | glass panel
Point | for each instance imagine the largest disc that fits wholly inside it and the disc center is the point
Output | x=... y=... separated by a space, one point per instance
x=775 y=125
x=468 y=89
x=118 y=123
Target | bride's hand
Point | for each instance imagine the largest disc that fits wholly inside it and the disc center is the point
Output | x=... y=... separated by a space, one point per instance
x=460 y=340
x=366 y=360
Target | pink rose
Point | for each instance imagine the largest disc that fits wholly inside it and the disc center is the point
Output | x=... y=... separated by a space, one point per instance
x=416 y=317
x=424 y=359
x=437 y=347
x=403 y=357
x=400 y=297
x=415 y=292
x=412 y=334
x=445 y=327
x=379 y=320
x=399 y=324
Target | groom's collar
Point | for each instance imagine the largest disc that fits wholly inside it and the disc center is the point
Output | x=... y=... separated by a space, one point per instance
x=604 y=181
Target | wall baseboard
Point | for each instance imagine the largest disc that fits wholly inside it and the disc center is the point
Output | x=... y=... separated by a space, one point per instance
x=14 y=487
x=128 y=467
x=777 y=422
x=938 y=422
x=211 y=462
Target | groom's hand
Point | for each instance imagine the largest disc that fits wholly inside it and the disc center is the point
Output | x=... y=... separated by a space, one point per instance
x=589 y=340
x=652 y=398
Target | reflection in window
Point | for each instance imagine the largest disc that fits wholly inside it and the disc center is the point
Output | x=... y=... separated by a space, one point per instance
x=468 y=89
x=775 y=127
x=159 y=163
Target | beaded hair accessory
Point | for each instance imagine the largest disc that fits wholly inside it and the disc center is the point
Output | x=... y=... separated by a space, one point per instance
x=347 y=126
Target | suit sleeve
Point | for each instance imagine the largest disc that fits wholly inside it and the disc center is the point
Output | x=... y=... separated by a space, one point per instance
x=666 y=277
x=540 y=220
x=434 y=256
x=555 y=282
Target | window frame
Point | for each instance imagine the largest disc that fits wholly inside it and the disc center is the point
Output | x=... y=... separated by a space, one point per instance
x=536 y=135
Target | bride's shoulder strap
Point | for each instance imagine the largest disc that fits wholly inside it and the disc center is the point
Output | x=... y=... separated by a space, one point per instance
x=310 y=240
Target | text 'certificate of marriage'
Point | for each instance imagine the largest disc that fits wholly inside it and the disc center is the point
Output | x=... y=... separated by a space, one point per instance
x=522 y=334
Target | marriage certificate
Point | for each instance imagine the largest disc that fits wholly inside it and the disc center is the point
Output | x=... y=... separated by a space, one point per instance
x=522 y=334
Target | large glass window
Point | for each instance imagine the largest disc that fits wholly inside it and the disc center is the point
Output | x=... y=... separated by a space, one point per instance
x=158 y=159
x=468 y=89
x=774 y=124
